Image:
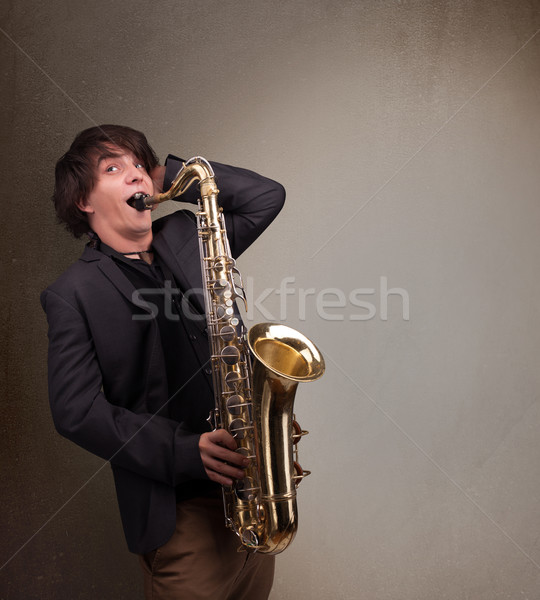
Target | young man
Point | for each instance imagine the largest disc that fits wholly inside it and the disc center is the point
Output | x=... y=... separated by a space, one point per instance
x=129 y=371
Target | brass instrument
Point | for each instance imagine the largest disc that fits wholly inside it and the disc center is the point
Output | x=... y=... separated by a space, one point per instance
x=253 y=396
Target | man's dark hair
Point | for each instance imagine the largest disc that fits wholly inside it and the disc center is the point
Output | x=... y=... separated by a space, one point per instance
x=76 y=171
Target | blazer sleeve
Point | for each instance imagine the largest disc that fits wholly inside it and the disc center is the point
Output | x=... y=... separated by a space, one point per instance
x=250 y=201
x=150 y=445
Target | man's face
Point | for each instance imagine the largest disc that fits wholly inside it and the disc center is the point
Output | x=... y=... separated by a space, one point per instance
x=119 y=175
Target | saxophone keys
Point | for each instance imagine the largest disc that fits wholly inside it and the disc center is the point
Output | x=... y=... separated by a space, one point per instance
x=235 y=404
x=232 y=379
x=230 y=355
x=298 y=432
x=224 y=311
x=245 y=453
x=245 y=489
x=300 y=474
x=221 y=286
x=238 y=429
x=227 y=333
x=249 y=538
x=213 y=419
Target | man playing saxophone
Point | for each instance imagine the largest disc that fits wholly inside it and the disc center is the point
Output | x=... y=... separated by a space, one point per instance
x=130 y=377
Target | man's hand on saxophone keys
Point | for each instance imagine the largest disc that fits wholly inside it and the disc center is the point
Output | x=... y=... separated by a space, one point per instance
x=221 y=463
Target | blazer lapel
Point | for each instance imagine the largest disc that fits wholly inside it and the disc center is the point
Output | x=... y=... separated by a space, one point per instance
x=114 y=275
x=180 y=254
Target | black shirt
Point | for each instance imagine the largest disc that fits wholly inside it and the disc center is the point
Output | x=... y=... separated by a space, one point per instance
x=157 y=288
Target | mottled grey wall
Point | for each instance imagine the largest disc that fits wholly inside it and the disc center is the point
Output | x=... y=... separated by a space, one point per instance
x=407 y=134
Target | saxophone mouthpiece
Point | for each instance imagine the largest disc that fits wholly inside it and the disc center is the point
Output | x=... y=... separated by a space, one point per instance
x=139 y=201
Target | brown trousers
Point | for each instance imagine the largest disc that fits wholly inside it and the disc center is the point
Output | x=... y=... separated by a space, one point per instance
x=201 y=561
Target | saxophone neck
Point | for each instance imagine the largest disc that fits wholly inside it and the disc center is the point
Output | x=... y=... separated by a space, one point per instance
x=194 y=169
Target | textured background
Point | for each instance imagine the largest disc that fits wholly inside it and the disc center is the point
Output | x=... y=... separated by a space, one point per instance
x=407 y=135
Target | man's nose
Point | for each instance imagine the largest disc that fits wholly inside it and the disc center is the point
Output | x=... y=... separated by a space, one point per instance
x=133 y=174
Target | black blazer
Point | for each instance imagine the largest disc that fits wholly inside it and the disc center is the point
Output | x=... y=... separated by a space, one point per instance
x=107 y=381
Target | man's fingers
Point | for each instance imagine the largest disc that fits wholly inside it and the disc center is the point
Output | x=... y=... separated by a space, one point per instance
x=219 y=478
x=219 y=460
x=228 y=456
x=222 y=446
x=223 y=468
x=224 y=438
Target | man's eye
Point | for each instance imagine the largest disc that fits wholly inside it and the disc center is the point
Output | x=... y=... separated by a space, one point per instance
x=139 y=166
x=111 y=169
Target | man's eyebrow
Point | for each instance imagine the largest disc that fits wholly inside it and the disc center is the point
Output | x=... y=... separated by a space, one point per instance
x=107 y=155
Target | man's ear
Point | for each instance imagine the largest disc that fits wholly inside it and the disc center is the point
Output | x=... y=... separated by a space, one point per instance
x=84 y=206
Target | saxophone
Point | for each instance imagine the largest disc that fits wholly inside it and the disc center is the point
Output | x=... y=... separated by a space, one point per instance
x=255 y=376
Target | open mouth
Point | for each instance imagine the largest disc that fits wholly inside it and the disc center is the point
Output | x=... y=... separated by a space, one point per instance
x=137 y=201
